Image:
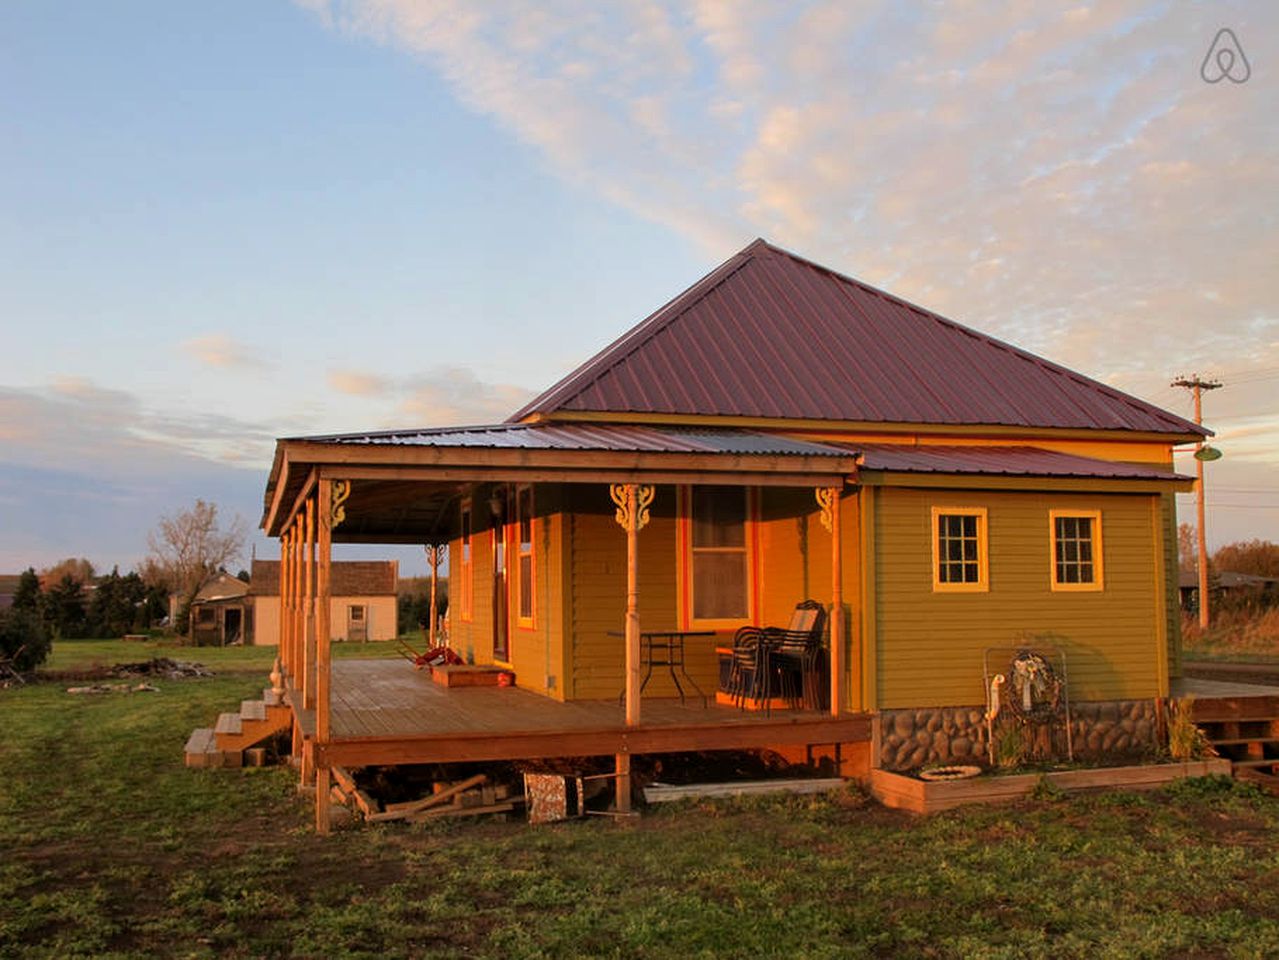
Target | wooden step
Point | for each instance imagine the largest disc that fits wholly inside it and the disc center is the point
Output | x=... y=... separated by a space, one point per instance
x=201 y=746
x=228 y=723
x=1269 y=762
x=252 y=710
x=1240 y=741
x=202 y=750
x=1265 y=781
x=272 y=699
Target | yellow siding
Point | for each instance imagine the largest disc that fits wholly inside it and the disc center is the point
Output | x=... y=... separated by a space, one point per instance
x=794 y=565
x=598 y=601
x=382 y=618
x=1172 y=600
x=929 y=645
x=535 y=651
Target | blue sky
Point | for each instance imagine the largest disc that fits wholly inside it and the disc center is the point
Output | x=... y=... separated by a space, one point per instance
x=224 y=224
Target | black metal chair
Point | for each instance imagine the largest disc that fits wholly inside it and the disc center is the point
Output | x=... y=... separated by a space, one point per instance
x=768 y=660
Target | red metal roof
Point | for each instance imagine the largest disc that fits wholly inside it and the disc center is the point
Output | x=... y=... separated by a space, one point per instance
x=769 y=334
x=1001 y=461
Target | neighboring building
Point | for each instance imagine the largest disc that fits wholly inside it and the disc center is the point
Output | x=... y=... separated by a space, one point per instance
x=219 y=611
x=363 y=605
x=1228 y=585
x=780 y=432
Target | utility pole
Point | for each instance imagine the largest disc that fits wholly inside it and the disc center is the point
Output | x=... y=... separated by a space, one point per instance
x=1197 y=385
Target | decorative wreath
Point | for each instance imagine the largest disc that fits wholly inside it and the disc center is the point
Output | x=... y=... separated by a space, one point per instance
x=1034 y=692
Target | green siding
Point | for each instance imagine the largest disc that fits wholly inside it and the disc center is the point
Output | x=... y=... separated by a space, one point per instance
x=930 y=645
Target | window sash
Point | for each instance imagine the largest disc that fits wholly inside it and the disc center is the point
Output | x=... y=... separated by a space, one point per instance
x=524 y=562
x=1076 y=550
x=719 y=554
x=960 y=550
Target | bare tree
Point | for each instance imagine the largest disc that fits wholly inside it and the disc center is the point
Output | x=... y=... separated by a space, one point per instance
x=191 y=546
x=1187 y=548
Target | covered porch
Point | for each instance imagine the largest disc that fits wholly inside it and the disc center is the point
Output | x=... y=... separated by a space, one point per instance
x=386 y=712
x=412 y=488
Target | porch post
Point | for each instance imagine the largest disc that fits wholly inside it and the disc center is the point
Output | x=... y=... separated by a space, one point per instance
x=295 y=606
x=434 y=554
x=308 y=605
x=323 y=638
x=828 y=498
x=283 y=638
x=633 y=501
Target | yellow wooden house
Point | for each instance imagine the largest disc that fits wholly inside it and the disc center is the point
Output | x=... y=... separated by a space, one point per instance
x=776 y=433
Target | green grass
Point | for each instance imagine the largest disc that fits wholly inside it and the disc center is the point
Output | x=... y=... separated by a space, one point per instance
x=110 y=847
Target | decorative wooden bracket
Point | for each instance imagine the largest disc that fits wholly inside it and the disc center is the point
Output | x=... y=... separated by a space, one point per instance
x=436 y=553
x=644 y=493
x=337 y=512
x=827 y=498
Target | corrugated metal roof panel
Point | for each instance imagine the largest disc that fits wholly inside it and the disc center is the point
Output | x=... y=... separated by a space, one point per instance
x=769 y=334
x=578 y=436
x=1002 y=461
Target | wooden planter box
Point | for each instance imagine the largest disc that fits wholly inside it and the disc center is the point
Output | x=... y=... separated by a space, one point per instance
x=468 y=675
x=921 y=796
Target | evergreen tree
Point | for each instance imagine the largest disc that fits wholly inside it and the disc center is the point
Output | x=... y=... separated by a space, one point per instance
x=27 y=596
x=63 y=609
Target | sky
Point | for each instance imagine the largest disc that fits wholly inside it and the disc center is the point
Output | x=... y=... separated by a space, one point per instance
x=223 y=224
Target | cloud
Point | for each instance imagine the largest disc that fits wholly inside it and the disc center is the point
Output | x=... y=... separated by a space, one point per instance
x=357 y=384
x=450 y=396
x=1057 y=176
x=74 y=423
x=221 y=351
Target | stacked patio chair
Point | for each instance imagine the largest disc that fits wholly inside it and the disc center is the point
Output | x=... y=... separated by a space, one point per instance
x=786 y=662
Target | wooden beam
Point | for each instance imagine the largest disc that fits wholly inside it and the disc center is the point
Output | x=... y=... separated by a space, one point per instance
x=869 y=624
x=983 y=481
x=453 y=474
x=308 y=603
x=622 y=796
x=308 y=485
x=285 y=652
x=324 y=606
x=666 y=738
x=837 y=661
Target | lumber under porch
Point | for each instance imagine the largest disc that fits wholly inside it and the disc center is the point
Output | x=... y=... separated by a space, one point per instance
x=385 y=712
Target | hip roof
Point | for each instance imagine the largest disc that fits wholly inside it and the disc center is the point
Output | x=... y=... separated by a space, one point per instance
x=768 y=334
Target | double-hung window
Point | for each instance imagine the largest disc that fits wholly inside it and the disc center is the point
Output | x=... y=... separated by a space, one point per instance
x=524 y=562
x=1076 y=549
x=718 y=559
x=960 y=561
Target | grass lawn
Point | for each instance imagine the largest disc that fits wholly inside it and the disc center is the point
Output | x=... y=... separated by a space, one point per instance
x=110 y=847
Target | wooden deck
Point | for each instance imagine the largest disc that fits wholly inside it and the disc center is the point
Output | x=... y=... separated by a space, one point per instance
x=385 y=712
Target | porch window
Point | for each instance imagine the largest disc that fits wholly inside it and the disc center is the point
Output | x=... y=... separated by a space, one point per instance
x=466 y=589
x=719 y=556
x=524 y=564
x=960 y=562
x=1076 y=549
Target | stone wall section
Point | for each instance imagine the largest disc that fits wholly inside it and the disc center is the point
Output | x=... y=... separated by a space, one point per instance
x=1101 y=729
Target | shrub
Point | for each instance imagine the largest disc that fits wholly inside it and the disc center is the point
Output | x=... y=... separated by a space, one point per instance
x=24 y=637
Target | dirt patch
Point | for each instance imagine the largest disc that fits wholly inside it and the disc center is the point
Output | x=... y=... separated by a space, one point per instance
x=159 y=667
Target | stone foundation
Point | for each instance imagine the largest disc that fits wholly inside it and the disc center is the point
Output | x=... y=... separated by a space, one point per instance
x=1118 y=729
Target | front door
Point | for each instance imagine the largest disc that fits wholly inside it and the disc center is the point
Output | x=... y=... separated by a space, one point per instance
x=357 y=622
x=501 y=626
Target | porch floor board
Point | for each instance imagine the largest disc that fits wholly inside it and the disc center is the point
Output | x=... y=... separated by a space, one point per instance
x=384 y=711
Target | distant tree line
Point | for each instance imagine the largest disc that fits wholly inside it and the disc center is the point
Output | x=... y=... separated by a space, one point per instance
x=1258 y=558
x=68 y=601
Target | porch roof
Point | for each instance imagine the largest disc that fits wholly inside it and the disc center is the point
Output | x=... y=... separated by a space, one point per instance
x=403 y=480
x=1008 y=461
